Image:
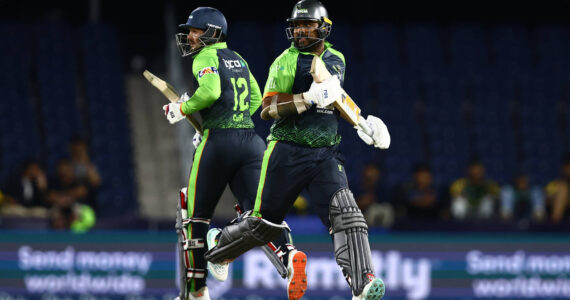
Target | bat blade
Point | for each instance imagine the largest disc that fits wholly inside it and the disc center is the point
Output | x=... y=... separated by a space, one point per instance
x=170 y=93
x=345 y=105
x=164 y=87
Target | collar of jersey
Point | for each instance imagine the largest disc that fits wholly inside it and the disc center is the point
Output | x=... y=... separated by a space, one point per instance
x=220 y=45
x=295 y=50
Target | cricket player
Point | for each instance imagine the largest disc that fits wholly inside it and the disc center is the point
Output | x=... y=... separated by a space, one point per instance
x=303 y=153
x=230 y=152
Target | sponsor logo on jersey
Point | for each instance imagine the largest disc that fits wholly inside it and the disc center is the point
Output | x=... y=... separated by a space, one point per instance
x=235 y=63
x=207 y=70
x=327 y=110
x=276 y=68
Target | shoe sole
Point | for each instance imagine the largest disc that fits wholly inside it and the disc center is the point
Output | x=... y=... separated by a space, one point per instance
x=298 y=284
x=376 y=290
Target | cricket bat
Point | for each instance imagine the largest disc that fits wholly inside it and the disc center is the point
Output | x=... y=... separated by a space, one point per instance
x=346 y=106
x=169 y=92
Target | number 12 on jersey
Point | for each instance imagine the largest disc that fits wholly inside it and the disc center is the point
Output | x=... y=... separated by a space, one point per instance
x=240 y=104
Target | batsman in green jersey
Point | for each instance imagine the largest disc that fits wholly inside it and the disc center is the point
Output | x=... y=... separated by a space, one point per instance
x=303 y=154
x=230 y=152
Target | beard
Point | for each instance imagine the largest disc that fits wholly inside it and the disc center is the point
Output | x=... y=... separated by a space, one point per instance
x=309 y=44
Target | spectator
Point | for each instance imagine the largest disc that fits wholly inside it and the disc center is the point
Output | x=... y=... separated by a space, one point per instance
x=521 y=201
x=372 y=198
x=418 y=199
x=474 y=196
x=84 y=169
x=25 y=192
x=65 y=189
x=558 y=195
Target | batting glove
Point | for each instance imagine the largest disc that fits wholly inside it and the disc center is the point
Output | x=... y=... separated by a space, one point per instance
x=380 y=136
x=173 y=112
x=197 y=139
x=324 y=93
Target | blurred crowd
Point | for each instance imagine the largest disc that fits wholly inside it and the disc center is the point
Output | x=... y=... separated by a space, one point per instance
x=65 y=196
x=472 y=199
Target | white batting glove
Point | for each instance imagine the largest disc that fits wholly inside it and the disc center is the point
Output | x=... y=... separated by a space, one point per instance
x=197 y=139
x=324 y=93
x=380 y=136
x=173 y=112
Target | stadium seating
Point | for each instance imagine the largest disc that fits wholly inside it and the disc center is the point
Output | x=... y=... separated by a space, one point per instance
x=447 y=93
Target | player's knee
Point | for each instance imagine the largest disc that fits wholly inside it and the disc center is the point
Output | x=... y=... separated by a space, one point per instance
x=344 y=212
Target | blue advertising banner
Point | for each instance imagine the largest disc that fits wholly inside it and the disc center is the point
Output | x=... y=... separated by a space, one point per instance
x=141 y=265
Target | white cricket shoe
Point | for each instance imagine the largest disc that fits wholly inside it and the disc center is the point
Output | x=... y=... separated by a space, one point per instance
x=219 y=271
x=374 y=290
x=297 y=275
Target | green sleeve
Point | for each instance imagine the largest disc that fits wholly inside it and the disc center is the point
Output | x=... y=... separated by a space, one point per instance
x=281 y=75
x=255 y=100
x=205 y=70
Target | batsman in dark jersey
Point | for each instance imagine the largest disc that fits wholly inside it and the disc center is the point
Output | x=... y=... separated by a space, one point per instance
x=230 y=152
x=303 y=154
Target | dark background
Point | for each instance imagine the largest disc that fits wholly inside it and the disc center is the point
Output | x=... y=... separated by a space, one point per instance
x=141 y=24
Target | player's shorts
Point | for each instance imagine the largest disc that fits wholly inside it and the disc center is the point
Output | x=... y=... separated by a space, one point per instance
x=288 y=169
x=225 y=156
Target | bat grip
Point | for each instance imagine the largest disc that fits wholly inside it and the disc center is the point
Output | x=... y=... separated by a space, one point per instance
x=365 y=128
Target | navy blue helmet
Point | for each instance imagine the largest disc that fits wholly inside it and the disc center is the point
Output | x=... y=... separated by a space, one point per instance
x=209 y=19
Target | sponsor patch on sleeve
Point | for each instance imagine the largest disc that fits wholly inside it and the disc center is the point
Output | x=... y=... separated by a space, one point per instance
x=207 y=70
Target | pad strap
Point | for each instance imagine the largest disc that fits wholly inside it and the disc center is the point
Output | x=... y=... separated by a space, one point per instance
x=195 y=273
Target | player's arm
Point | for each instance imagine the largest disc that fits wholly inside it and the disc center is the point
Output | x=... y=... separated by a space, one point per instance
x=278 y=101
x=205 y=70
x=277 y=105
x=321 y=94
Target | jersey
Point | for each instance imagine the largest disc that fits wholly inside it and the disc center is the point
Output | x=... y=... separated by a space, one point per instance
x=227 y=94
x=290 y=74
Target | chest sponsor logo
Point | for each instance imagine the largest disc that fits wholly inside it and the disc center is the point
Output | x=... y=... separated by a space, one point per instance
x=207 y=70
x=236 y=63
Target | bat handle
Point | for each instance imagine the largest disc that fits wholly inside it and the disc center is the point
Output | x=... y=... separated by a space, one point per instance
x=362 y=124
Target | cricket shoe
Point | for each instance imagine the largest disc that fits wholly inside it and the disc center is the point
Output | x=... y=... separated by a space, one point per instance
x=297 y=276
x=374 y=290
x=201 y=294
x=219 y=271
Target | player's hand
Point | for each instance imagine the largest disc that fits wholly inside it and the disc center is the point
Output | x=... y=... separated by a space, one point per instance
x=324 y=93
x=197 y=139
x=173 y=112
x=380 y=136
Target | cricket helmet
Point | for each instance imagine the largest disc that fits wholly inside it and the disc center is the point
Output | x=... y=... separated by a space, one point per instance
x=209 y=19
x=310 y=10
